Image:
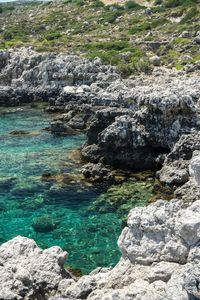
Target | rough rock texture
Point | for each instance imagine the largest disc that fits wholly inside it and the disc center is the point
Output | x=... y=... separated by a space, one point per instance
x=33 y=76
x=160 y=258
x=175 y=170
x=28 y=272
x=132 y=122
x=158 y=115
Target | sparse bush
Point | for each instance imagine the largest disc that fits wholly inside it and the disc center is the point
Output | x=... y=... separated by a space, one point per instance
x=110 y=16
x=97 y=4
x=114 y=45
x=53 y=36
x=131 y=5
x=141 y=27
x=175 y=3
x=193 y=12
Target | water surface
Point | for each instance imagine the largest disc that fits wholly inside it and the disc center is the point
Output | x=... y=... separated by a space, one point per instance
x=89 y=237
x=44 y=197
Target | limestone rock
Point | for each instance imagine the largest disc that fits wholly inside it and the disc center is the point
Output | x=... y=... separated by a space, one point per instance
x=150 y=235
x=195 y=167
x=27 y=271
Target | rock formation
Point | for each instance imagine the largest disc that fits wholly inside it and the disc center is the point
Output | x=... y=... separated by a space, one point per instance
x=138 y=123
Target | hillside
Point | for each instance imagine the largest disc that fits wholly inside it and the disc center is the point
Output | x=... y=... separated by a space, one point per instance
x=128 y=35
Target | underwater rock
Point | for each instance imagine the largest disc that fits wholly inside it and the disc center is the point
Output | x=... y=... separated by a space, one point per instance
x=123 y=197
x=7 y=183
x=44 y=224
x=23 y=132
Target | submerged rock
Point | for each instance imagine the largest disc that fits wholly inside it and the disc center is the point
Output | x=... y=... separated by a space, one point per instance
x=44 y=224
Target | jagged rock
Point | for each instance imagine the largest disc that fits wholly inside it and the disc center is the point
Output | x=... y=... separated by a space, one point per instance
x=150 y=235
x=97 y=172
x=28 y=272
x=157 y=116
x=161 y=260
x=175 y=170
x=195 y=167
x=60 y=128
x=164 y=231
x=77 y=122
x=197 y=39
x=41 y=74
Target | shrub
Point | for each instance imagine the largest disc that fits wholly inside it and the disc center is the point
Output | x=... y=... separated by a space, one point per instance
x=141 y=27
x=97 y=4
x=53 y=36
x=113 y=45
x=131 y=5
x=110 y=16
x=175 y=3
x=193 y=12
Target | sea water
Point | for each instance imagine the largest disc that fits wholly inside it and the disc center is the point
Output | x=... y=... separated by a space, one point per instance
x=88 y=236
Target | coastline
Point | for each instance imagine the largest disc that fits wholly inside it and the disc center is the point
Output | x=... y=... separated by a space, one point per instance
x=144 y=123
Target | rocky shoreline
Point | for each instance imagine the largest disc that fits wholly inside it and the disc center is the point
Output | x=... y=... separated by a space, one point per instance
x=140 y=123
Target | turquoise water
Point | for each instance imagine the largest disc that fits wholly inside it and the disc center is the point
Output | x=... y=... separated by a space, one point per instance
x=61 y=211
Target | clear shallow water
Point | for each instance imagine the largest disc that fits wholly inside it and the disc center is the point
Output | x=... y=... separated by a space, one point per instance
x=89 y=237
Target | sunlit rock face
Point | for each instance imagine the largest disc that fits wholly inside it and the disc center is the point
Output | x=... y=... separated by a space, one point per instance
x=195 y=167
x=27 y=271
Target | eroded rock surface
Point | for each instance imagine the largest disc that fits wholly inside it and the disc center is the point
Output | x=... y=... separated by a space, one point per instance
x=28 y=272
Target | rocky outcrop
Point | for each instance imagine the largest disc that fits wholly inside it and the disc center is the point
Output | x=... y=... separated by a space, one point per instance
x=28 y=272
x=139 y=123
x=37 y=76
x=175 y=170
x=156 y=118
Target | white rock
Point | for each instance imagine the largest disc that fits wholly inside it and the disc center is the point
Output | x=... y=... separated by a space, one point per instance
x=194 y=167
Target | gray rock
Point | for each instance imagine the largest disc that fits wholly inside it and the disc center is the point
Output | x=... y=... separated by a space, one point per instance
x=60 y=128
x=197 y=39
x=155 y=60
x=194 y=167
x=28 y=272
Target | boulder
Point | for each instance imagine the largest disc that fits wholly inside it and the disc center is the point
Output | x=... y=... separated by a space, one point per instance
x=28 y=272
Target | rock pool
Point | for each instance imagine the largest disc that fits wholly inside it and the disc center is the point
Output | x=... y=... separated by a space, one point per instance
x=51 y=213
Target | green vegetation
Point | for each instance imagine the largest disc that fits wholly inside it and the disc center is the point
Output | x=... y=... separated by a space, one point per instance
x=131 y=5
x=118 y=34
x=175 y=3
